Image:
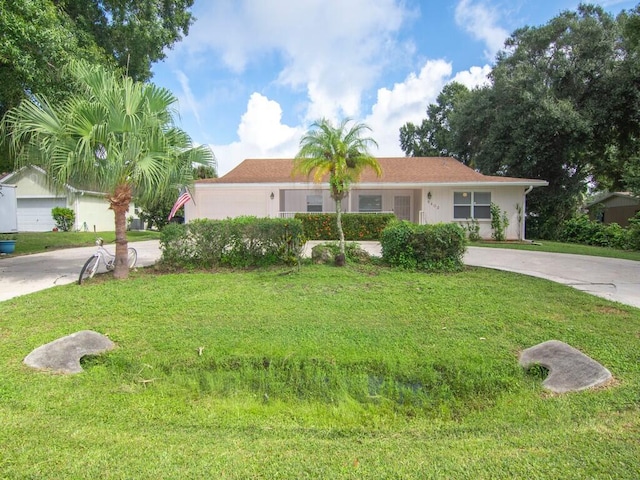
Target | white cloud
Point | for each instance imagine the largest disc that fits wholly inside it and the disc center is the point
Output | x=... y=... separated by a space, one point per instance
x=408 y=101
x=405 y=102
x=332 y=48
x=474 y=77
x=261 y=135
x=186 y=100
x=481 y=21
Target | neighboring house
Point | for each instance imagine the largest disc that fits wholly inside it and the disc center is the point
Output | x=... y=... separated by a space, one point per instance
x=36 y=198
x=421 y=190
x=616 y=207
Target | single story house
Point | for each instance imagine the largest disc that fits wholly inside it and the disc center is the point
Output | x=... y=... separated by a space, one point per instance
x=36 y=197
x=419 y=189
x=615 y=207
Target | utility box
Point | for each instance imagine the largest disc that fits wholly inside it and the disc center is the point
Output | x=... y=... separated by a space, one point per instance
x=8 y=209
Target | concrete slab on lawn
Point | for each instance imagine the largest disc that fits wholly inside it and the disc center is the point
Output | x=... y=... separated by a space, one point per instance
x=570 y=370
x=63 y=355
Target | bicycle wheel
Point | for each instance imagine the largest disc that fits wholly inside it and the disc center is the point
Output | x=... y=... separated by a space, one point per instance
x=132 y=257
x=89 y=269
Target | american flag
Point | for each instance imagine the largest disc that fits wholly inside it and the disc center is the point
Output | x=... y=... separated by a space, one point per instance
x=183 y=198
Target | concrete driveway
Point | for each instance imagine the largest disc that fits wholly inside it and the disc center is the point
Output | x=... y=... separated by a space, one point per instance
x=613 y=279
x=610 y=278
x=31 y=273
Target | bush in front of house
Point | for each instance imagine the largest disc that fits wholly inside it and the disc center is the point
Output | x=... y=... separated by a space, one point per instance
x=582 y=230
x=236 y=242
x=633 y=233
x=356 y=226
x=435 y=247
x=64 y=218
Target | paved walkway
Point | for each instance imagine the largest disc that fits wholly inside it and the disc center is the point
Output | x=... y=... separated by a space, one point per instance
x=614 y=279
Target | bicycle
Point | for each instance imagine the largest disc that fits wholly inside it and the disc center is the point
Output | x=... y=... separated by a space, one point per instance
x=91 y=265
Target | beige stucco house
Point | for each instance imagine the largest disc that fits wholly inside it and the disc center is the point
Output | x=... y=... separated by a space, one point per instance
x=36 y=197
x=421 y=190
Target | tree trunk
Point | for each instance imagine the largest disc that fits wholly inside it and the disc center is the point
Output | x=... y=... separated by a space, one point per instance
x=120 y=201
x=342 y=256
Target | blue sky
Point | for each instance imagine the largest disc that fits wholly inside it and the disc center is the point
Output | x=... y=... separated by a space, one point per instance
x=253 y=74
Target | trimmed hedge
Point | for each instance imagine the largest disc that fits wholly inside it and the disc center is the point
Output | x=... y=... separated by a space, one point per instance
x=435 y=247
x=356 y=226
x=237 y=242
x=582 y=230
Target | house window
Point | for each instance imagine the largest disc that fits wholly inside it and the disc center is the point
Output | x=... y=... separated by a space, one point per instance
x=370 y=203
x=471 y=205
x=314 y=203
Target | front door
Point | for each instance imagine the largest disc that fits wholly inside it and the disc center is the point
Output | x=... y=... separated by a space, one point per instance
x=402 y=207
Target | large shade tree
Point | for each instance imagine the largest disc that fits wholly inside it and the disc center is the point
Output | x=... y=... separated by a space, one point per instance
x=562 y=104
x=116 y=136
x=433 y=137
x=342 y=153
x=40 y=37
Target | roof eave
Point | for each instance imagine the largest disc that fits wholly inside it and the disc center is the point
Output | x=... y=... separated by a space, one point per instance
x=386 y=185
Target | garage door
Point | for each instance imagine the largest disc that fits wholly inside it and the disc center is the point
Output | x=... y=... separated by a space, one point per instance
x=34 y=214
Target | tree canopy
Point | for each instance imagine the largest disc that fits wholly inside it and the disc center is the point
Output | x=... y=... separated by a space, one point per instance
x=134 y=32
x=340 y=152
x=433 y=137
x=563 y=105
x=116 y=136
x=40 y=37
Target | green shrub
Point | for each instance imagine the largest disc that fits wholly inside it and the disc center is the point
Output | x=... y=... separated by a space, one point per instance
x=579 y=230
x=633 y=233
x=356 y=226
x=437 y=247
x=237 y=242
x=64 y=218
x=472 y=228
x=499 y=223
x=582 y=230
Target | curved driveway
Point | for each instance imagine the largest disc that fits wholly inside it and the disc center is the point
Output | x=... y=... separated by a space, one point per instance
x=31 y=273
x=610 y=278
x=613 y=279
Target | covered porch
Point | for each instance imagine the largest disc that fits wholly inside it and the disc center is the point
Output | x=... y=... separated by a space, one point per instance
x=406 y=204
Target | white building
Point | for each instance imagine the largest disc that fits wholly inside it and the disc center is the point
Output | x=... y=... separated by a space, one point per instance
x=419 y=189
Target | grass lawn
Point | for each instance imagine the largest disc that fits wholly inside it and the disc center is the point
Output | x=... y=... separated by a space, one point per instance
x=37 y=242
x=359 y=372
x=558 y=247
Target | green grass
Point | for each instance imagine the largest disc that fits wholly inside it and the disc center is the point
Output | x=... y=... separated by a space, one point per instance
x=359 y=372
x=558 y=247
x=45 y=241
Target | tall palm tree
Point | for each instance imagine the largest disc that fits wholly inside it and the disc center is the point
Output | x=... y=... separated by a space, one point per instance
x=116 y=136
x=340 y=152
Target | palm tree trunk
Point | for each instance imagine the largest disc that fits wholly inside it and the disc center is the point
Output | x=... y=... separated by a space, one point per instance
x=341 y=261
x=120 y=202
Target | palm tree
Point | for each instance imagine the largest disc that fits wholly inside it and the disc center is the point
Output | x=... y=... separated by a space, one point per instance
x=340 y=152
x=116 y=136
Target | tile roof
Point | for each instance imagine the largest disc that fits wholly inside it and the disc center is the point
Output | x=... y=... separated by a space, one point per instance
x=413 y=170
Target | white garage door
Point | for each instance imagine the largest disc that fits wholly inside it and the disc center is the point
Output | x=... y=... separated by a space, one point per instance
x=34 y=214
